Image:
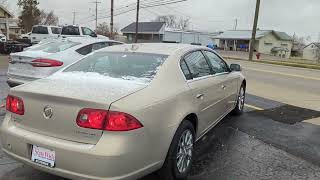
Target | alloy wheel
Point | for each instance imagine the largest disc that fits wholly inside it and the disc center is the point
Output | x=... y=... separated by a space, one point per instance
x=184 y=152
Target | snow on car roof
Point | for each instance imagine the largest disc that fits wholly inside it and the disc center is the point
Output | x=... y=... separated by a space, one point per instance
x=155 y=48
x=82 y=40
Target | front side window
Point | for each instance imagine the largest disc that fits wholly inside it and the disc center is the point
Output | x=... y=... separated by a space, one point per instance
x=87 y=31
x=197 y=64
x=128 y=66
x=218 y=65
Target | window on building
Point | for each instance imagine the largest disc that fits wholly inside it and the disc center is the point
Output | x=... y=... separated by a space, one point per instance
x=268 y=44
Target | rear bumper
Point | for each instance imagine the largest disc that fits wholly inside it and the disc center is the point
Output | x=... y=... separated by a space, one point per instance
x=113 y=157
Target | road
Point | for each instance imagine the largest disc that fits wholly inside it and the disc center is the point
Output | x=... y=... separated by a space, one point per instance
x=276 y=138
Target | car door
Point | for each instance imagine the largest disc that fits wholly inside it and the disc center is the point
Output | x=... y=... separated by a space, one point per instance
x=206 y=93
x=227 y=80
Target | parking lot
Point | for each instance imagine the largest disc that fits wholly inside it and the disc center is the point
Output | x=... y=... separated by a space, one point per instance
x=276 y=137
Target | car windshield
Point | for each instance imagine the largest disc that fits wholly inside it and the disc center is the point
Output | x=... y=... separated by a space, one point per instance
x=40 y=30
x=129 y=66
x=54 y=47
x=70 y=30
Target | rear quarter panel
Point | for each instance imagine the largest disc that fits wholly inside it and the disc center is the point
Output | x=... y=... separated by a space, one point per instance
x=160 y=107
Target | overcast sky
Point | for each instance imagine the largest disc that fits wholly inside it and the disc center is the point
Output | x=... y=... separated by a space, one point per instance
x=291 y=16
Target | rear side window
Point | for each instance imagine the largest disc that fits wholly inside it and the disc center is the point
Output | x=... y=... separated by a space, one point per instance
x=55 y=30
x=197 y=64
x=85 y=50
x=40 y=30
x=55 y=46
x=129 y=66
x=70 y=30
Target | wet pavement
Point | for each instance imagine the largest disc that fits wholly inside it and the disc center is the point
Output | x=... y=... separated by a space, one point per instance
x=256 y=145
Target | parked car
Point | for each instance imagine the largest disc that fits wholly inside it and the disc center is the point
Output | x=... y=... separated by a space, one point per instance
x=3 y=38
x=40 y=32
x=122 y=112
x=44 y=59
x=72 y=31
x=25 y=36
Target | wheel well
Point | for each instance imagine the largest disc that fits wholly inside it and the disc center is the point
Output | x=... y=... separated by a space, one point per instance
x=244 y=82
x=193 y=118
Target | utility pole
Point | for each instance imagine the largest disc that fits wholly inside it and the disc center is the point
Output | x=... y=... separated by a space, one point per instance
x=96 y=2
x=111 y=21
x=74 y=17
x=137 y=21
x=254 y=30
x=236 y=24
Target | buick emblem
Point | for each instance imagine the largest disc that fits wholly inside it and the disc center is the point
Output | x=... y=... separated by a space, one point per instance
x=47 y=112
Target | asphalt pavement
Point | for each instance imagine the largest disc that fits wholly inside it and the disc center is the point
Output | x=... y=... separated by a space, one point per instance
x=271 y=140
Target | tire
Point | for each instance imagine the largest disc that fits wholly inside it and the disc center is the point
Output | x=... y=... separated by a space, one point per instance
x=238 y=110
x=170 y=169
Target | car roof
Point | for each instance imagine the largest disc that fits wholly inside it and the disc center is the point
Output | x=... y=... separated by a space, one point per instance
x=83 y=40
x=45 y=26
x=154 y=48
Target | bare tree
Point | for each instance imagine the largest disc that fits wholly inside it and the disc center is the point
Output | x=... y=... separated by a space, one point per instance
x=172 y=21
x=48 y=18
x=103 y=29
x=4 y=3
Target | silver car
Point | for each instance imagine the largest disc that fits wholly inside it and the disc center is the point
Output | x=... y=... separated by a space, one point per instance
x=44 y=59
x=122 y=112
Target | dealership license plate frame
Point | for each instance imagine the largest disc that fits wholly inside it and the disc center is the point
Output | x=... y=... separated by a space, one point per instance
x=37 y=158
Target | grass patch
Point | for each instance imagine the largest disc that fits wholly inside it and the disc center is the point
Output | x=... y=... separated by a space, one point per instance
x=282 y=63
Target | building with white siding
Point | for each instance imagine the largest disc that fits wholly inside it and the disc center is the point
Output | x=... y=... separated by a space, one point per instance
x=267 y=42
x=157 y=32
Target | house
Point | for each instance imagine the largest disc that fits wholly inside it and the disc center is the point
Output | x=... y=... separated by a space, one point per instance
x=157 y=32
x=8 y=23
x=311 y=52
x=147 y=31
x=267 y=42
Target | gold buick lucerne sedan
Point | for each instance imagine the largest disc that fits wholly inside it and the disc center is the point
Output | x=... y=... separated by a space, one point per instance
x=122 y=112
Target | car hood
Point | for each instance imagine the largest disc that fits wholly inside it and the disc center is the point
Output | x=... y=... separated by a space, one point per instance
x=91 y=87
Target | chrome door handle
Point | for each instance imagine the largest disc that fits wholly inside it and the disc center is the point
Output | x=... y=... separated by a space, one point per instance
x=200 y=96
x=223 y=87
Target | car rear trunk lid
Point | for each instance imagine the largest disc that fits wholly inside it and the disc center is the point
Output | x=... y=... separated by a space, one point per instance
x=66 y=95
x=21 y=64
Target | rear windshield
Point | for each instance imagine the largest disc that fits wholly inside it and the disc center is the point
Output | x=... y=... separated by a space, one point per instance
x=128 y=66
x=55 y=47
x=40 y=30
x=70 y=30
x=56 y=30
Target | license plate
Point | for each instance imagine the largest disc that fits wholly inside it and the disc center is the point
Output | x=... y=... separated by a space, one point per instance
x=43 y=156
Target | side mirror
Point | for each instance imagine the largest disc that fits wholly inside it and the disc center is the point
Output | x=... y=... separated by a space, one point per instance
x=94 y=35
x=235 y=67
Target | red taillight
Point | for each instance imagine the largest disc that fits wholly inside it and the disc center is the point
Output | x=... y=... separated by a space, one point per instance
x=15 y=105
x=107 y=120
x=46 y=63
